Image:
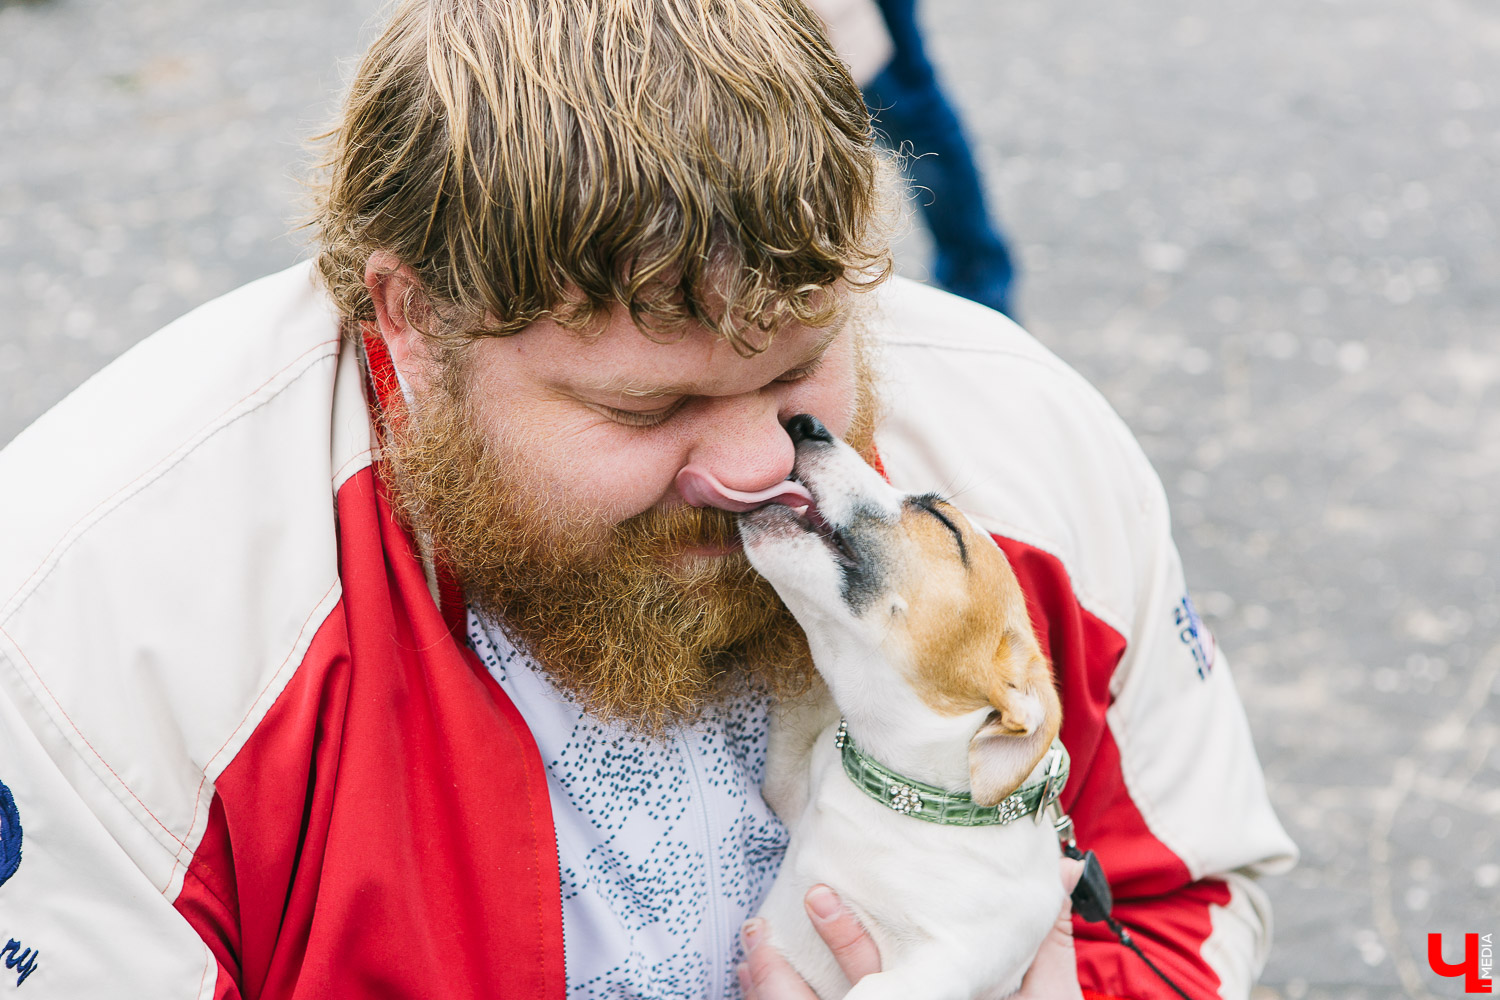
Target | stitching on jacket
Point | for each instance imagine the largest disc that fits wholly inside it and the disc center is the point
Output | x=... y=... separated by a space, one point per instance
x=201 y=881
x=97 y=513
x=208 y=764
x=100 y=757
x=541 y=929
x=211 y=961
x=531 y=797
x=196 y=876
x=117 y=498
x=1086 y=600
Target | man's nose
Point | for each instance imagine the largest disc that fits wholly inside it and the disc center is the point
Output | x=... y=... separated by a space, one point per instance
x=741 y=454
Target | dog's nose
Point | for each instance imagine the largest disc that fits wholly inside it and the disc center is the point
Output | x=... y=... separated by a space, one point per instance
x=806 y=427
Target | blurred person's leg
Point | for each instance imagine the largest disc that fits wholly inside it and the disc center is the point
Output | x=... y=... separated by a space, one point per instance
x=970 y=256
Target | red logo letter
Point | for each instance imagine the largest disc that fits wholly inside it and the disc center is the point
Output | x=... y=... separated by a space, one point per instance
x=1469 y=969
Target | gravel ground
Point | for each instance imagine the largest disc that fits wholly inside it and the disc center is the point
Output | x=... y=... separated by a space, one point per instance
x=1267 y=231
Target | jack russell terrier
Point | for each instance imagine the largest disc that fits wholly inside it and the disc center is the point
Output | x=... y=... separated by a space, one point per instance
x=919 y=630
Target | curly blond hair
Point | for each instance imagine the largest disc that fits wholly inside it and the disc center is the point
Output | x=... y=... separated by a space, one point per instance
x=704 y=161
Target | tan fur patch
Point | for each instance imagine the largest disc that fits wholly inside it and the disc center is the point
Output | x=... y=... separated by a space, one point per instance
x=966 y=633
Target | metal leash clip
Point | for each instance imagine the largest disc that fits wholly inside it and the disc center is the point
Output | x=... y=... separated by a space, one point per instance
x=1092 y=899
x=1052 y=788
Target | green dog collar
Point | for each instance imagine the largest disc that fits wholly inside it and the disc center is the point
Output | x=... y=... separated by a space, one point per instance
x=926 y=802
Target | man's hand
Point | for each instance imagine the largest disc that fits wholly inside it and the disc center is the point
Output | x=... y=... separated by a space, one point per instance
x=765 y=975
x=1054 y=972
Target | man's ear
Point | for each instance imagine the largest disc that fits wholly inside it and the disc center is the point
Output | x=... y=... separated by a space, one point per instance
x=395 y=292
x=1026 y=718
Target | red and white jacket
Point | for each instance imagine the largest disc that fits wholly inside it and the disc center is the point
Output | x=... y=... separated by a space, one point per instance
x=249 y=755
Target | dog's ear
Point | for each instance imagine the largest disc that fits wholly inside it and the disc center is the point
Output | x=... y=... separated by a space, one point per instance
x=1026 y=718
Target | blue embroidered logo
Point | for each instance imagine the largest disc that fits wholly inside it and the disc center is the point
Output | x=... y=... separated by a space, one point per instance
x=10 y=835
x=1199 y=641
x=16 y=959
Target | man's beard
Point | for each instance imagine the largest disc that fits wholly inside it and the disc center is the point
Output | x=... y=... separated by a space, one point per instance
x=618 y=615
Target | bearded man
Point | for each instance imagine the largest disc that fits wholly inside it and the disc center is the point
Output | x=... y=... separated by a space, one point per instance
x=379 y=629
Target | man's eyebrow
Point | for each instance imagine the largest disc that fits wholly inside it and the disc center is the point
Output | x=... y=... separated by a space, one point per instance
x=635 y=390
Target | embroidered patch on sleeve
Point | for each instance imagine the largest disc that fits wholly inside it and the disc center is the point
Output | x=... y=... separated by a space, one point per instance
x=1190 y=629
x=10 y=835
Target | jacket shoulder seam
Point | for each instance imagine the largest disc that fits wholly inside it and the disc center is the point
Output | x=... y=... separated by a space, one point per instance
x=227 y=418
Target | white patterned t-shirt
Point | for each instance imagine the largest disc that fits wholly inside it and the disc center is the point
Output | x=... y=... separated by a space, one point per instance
x=665 y=846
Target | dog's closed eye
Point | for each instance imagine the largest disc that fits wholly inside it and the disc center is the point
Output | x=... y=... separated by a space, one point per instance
x=928 y=502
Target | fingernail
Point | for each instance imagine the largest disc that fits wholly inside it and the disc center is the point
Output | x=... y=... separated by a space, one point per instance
x=753 y=933
x=822 y=902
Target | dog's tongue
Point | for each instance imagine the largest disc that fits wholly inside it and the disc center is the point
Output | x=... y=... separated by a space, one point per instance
x=701 y=489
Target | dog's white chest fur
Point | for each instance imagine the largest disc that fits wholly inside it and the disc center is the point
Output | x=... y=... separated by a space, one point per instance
x=956 y=911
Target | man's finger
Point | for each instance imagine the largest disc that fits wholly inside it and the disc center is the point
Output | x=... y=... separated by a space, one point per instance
x=1071 y=871
x=1054 y=973
x=768 y=975
x=747 y=985
x=851 y=945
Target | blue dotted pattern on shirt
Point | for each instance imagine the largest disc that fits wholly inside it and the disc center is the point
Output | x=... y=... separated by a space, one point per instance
x=679 y=848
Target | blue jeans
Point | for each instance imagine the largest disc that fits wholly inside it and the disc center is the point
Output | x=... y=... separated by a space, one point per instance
x=970 y=257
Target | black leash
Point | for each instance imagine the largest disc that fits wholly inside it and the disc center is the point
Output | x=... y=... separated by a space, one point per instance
x=1093 y=901
x=1129 y=942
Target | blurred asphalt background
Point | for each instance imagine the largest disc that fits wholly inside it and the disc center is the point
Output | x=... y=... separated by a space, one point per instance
x=1267 y=230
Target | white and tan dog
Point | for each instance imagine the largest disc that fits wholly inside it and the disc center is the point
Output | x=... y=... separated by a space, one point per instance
x=919 y=629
